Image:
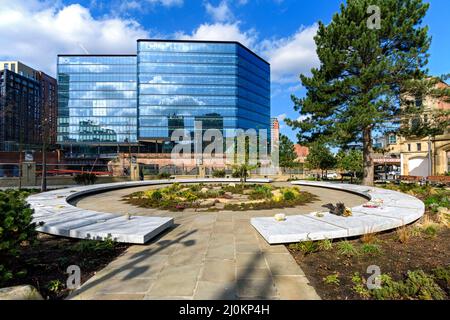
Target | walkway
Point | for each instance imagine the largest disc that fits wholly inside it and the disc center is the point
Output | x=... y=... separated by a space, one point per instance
x=206 y=256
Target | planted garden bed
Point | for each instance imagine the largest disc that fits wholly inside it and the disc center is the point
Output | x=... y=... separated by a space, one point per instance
x=414 y=260
x=216 y=197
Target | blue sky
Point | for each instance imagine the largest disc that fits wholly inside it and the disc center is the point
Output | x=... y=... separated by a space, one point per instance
x=281 y=31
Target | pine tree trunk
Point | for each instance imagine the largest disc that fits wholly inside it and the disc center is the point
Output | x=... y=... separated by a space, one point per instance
x=368 y=165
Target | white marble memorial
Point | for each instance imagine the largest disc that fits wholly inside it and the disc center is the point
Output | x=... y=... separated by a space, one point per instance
x=396 y=209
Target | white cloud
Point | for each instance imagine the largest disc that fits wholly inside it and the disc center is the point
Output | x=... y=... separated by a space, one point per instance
x=281 y=117
x=167 y=3
x=292 y=55
x=221 y=13
x=222 y=32
x=35 y=32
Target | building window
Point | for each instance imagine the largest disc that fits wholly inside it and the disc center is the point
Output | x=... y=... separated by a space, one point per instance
x=409 y=147
x=5 y=66
x=13 y=67
x=419 y=147
x=392 y=139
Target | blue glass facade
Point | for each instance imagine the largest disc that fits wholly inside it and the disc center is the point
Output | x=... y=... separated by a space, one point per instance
x=168 y=85
x=97 y=99
x=222 y=84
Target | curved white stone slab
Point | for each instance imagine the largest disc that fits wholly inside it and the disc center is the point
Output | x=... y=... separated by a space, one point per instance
x=63 y=219
x=398 y=209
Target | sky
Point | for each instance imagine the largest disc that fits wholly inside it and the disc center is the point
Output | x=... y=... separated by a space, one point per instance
x=281 y=31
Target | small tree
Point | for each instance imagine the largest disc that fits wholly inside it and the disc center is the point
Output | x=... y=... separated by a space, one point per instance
x=288 y=156
x=243 y=171
x=351 y=160
x=320 y=157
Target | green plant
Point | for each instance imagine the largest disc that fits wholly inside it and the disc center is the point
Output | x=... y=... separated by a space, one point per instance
x=93 y=246
x=345 y=248
x=288 y=195
x=403 y=234
x=371 y=249
x=219 y=173
x=430 y=230
x=16 y=228
x=325 y=245
x=418 y=285
x=306 y=247
x=442 y=274
x=332 y=279
x=261 y=192
x=359 y=285
x=85 y=178
x=163 y=175
x=156 y=195
x=55 y=286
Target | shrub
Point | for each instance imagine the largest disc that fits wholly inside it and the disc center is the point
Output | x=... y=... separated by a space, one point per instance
x=55 y=286
x=306 y=247
x=403 y=234
x=418 y=285
x=332 y=279
x=219 y=173
x=93 y=246
x=359 y=285
x=325 y=245
x=369 y=237
x=288 y=195
x=85 y=178
x=345 y=248
x=156 y=195
x=16 y=228
x=261 y=192
x=442 y=274
x=370 y=249
x=163 y=175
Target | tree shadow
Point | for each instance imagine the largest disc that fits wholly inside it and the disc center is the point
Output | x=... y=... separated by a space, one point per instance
x=132 y=268
x=264 y=285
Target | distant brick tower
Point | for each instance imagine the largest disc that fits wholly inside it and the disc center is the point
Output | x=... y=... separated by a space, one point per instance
x=274 y=133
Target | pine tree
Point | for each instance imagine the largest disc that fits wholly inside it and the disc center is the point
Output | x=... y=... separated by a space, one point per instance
x=364 y=74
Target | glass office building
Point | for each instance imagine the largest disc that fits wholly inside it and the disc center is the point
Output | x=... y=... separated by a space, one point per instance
x=168 y=85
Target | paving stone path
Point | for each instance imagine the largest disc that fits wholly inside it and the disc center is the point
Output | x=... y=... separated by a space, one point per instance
x=205 y=256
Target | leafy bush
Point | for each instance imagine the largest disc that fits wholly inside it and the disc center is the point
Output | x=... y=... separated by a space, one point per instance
x=418 y=285
x=370 y=249
x=163 y=175
x=325 y=245
x=306 y=247
x=332 y=279
x=345 y=248
x=93 y=246
x=288 y=195
x=85 y=178
x=156 y=195
x=261 y=192
x=16 y=228
x=219 y=173
x=359 y=285
x=442 y=274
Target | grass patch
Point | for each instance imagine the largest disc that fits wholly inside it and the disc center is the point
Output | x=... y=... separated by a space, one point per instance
x=345 y=248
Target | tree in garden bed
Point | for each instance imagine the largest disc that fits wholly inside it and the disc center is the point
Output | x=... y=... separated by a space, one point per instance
x=366 y=74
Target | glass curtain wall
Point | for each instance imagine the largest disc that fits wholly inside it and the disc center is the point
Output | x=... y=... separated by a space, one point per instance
x=97 y=99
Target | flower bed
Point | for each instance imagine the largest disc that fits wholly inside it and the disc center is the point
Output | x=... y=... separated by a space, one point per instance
x=215 y=197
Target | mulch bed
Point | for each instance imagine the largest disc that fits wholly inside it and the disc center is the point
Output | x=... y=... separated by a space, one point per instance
x=425 y=253
x=48 y=259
